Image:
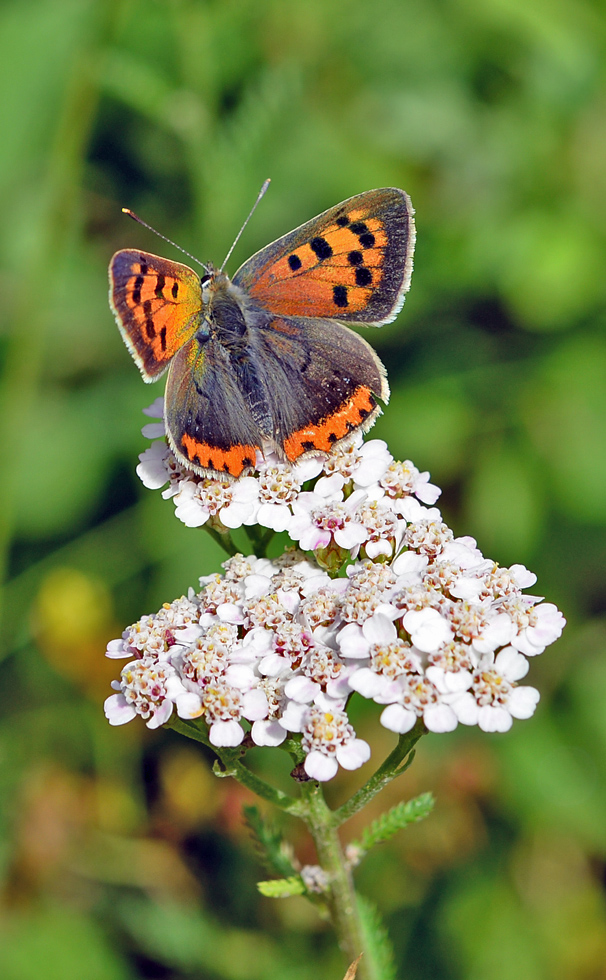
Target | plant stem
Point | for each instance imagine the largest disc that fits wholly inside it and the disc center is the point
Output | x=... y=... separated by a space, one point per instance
x=223 y=539
x=395 y=764
x=341 y=896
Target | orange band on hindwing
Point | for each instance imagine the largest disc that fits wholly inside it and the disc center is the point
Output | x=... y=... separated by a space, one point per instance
x=233 y=460
x=323 y=435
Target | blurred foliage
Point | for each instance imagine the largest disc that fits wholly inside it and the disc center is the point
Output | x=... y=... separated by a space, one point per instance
x=121 y=855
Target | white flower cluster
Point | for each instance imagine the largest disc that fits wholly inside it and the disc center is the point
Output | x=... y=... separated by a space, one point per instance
x=422 y=623
x=382 y=494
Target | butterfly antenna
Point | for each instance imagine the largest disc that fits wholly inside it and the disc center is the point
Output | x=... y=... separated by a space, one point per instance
x=140 y=221
x=252 y=210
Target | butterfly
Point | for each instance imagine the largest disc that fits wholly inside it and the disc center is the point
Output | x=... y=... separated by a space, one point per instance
x=266 y=361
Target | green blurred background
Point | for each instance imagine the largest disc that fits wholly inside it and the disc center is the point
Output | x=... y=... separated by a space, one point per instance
x=121 y=856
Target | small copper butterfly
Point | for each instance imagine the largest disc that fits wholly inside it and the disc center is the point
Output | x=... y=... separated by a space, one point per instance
x=265 y=360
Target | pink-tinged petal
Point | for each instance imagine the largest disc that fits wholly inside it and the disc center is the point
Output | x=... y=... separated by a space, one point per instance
x=391 y=693
x=188 y=508
x=234 y=515
x=225 y=734
x=151 y=469
x=312 y=538
x=258 y=641
x=273 y=665
x=161 y=714
x=189 y=705
x=428 y=629
x=256 y=585
x=302 y=689
x=339 y=688
x=449 y=681
x=240 y=676
x=289 y=600
x=494 y=719
x=462 y=552
x=398 y=719
x=267 y=733
x=467 y=588
x=330 y=487
x=466 y=708
x=187 y=634
x=352 y=642
x=523 y=701
x=308 y=469
x=498 y=633
x=375 y=548
x=524 y=578
x=440 y=718
x=351 y=535
x=294 y=716
x=156 y=409
x=353 y=754
x=174 y=687
x=427 y=493
x=512 y=664
x=117 y=710
x=410 y=567
x=379 y=629
x=321 y=767
x=118 y=650
x=523 y=643
x=254 y=705
x=229 y=612
x=153 y=430
x=368 y=683
x=275 y=516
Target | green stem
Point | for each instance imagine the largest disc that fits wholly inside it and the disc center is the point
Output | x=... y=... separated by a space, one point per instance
x=395 y=764
x=223 y=539
x=259 y=539
x=341 y=896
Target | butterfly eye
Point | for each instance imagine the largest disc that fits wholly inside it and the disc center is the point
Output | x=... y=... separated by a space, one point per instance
x=204 y=279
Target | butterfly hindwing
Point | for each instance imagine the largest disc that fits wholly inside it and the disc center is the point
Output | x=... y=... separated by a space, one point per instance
x=157 y=305
x=208 y=419
x=351 y=263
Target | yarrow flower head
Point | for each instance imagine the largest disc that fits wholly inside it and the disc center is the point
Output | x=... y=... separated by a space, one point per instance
x=375 y=597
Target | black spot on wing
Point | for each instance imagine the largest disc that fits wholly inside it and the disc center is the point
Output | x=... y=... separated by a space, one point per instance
x=294 y=262
x=137 y=290
x=163 y=338
x=363 y=276
x=339 y=295
x=321 y=247
x=342 y=221
x=367 y=240
x=150 y=329
x=160 y=281
x=355 y=258
x=175 y=289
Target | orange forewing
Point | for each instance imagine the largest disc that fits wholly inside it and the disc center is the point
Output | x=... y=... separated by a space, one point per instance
x=157 y=306
x=353 y=262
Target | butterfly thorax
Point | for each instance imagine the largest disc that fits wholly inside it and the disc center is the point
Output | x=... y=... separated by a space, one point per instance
x=223 y=318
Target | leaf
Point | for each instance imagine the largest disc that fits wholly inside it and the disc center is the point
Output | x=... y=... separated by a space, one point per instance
x=273 y=850
x=376 y=940
x=282 y=887
x=390 y=823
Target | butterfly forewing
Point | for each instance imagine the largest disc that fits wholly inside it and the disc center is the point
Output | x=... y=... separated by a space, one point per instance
x=351 y=263
x=157 y=306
